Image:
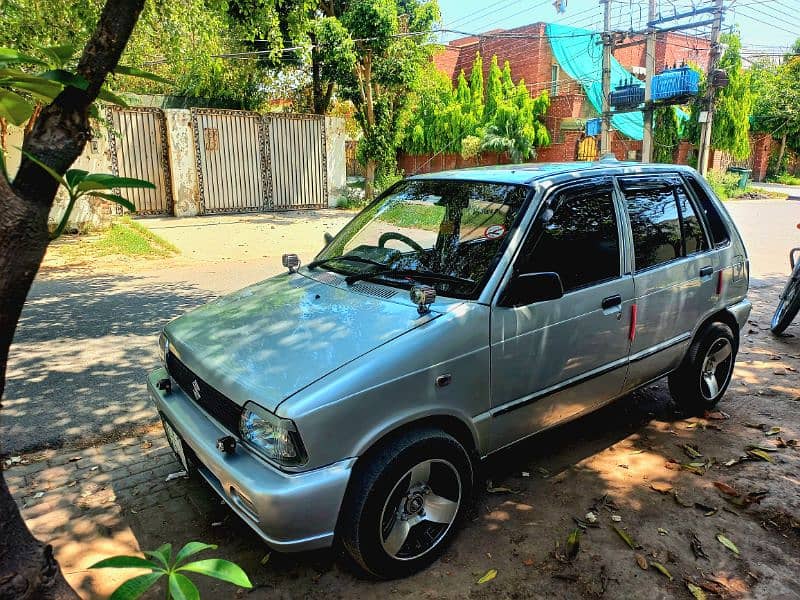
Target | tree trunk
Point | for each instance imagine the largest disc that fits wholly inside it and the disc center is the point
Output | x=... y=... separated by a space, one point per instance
x=28 y=569
x=316 y=77
x=369 y=179
x=781 y=152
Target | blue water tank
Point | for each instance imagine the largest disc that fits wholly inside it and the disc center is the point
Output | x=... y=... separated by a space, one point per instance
x=675 y=83
x=627 y=96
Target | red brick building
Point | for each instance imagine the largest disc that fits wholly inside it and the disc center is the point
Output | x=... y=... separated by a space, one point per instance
x=528 y=51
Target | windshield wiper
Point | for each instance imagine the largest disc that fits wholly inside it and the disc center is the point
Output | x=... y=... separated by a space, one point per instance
x=411 y=274
x=357 y=259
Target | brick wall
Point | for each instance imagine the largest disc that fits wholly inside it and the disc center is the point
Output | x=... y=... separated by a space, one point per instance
x=760 y=147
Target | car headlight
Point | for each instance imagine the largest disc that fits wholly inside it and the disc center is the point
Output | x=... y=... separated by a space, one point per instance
x=274 y=437
x=163 y=347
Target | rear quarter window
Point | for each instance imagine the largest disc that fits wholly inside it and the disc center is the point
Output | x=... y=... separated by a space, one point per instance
x=718 y=230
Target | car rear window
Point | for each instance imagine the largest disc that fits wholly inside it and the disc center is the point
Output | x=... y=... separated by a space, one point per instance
x=719 y=232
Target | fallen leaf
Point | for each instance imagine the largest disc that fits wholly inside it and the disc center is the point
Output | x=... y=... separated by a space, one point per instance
x=616 y=518
x=696 y=591
x=773 y=431
x=625 y=537
x=488 y=576
x=661 y=488
x=642 y=562
x=717 y=415
x=725 y=488
x=75 y=458
x=94 y=468
x=662 y=531
x=728 y=544
x=146 y=445
x=38 y=495
x=528 y=562
x=758 y=453
x=691 y=451
x=708 y=511
x=662 y=569
x=573 y=544
x=731 y=462
x=216 y=523
x=591 y=517
x=265 y=558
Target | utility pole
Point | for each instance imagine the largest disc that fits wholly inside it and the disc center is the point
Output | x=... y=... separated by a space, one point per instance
x=650 y=66
x=705 y=132
x=605 y=135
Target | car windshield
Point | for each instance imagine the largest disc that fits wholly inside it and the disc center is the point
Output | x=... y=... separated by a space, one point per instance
x=444 y=233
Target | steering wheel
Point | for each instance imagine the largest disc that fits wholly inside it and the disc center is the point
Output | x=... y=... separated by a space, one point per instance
x=393 y=235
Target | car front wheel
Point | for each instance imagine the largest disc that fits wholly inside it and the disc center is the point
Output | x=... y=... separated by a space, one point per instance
x=405 y=503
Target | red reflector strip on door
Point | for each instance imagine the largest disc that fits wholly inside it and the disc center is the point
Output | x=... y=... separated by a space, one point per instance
x=632 y=330
x=720 y=280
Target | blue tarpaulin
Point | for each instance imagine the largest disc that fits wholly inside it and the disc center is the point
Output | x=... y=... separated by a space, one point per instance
x=580 y=53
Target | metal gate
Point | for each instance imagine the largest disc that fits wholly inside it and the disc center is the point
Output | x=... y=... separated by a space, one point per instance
x=299 y=162
x=232 y=155
x=139 y=149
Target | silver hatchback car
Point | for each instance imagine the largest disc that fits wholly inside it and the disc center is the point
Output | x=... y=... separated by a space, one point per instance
x=351 y=400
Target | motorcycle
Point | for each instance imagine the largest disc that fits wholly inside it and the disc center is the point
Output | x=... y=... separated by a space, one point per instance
x=789 y=303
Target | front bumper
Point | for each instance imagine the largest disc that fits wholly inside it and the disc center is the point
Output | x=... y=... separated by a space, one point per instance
x=292 y=512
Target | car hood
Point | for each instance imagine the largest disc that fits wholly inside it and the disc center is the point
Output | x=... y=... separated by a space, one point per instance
x=272 y=339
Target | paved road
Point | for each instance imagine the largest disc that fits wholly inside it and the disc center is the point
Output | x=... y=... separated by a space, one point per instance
x=85 y=343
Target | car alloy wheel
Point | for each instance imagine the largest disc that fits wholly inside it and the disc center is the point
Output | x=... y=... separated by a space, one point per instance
x=717 y=367
x=420 y=509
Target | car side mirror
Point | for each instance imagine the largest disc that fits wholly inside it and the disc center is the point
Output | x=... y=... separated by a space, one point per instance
x=528 y=288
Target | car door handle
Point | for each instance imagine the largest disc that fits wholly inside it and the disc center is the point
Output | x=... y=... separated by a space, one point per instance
x=706 y=271
x=611 y=302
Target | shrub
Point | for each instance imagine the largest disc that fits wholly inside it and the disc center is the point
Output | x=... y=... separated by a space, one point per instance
x=725 y=185
x=470 y=146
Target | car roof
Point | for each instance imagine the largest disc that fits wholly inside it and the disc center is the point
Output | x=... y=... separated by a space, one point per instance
x=530 y=172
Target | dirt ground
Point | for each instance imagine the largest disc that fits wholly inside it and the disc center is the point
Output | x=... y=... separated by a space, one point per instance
x=634 y=465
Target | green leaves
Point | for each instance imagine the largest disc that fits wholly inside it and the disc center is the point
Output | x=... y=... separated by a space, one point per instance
x=219 y=569
x=182 y=588
x=133 y=588
x=10 y=56
x=14 y=108
x=179 y=586
x=77 y=183
x=125 y=562
x=134 y=72
x=191 y=549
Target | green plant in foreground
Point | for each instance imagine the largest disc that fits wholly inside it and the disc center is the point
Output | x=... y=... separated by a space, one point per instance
x=78 y=182
x=179 y=586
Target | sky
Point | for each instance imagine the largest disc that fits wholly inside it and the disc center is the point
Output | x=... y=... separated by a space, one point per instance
x=766 y=27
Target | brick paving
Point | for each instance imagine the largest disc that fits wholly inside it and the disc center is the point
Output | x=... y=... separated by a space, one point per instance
x=97 y=502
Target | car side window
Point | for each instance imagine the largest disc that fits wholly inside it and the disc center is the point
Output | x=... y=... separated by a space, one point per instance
x=718 y=231
x=693 y=235
x=575 y=236
x=663 y=221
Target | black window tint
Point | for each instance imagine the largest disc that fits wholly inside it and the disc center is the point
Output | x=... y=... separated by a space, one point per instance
x=718 y=230
x=580 y=241
x=693 y=235
x=655 y=224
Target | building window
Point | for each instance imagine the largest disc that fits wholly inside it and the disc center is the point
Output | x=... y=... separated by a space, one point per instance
x=554 y=71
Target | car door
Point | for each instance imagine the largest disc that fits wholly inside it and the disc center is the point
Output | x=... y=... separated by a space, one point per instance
x=553 y=360
x=675 y=273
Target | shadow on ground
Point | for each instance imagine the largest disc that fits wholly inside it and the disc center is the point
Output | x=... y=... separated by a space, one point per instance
x=79 y=358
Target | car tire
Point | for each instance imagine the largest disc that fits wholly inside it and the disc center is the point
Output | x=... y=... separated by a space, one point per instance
x=405 y=502
x=703 y=377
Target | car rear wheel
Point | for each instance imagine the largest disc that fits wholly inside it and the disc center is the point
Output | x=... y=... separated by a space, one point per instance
x=704 y=376
x=405 y=503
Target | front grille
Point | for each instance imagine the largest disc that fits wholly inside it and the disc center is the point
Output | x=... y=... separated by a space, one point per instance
x=220 y=407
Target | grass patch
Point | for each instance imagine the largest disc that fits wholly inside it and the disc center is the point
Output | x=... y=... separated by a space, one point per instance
x=129 y=238
x=125 y=238
x=415 y=216
x=786 y=179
